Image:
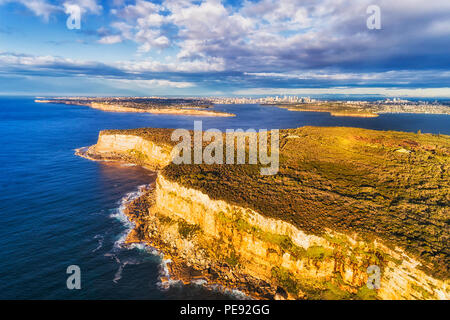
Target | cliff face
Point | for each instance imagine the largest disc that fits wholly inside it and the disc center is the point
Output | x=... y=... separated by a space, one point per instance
x=237 y=247
x=204 y=233
x=128 y=148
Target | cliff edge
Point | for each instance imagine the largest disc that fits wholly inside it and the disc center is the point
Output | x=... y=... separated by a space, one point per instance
x=344 y=200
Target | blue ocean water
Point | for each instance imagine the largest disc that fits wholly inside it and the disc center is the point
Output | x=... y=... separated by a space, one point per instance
x=57 y=209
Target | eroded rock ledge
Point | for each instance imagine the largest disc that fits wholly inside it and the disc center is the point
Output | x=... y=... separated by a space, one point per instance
x=240 y=248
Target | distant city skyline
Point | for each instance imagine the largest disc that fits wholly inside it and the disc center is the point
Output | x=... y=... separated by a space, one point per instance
x=225 y=48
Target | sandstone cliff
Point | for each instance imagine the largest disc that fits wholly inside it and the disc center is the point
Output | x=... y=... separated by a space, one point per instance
x=128 y=148
x=228 y=244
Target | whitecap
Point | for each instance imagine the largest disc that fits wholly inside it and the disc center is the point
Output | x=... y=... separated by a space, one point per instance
x=118 y=274
x=100 y=242
x=128 y=165
x=120 y=215
x=164 y=273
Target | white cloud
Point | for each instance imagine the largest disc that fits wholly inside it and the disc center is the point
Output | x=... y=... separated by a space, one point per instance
x=90 y=6
x=126 y=83
x=45 y=8
x=10 y=60
x=40 y=8
x=392 y=76
x=390 y=92
x=110 y=39
x=283 y=35
x=275 y=40
x=140 y=9
x=148 y=65
x=141 y=22
x=123 y=75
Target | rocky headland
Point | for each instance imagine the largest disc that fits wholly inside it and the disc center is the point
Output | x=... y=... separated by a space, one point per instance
x=344 y=199
x=366 y=109
x=141 y=106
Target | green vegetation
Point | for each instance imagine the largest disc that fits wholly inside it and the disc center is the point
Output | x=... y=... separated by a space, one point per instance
x=284 y=242
x=286 y=280
x=232 y=259
x=334 y=292
x=385 y=184
x=320 y=290
x=336 y=109
x=364 y=293
x=138 y=156
x=164 y=219
x=187 y=230
x=425 y=294
x=141 y=104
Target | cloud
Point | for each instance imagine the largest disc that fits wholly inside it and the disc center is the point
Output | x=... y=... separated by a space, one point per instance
x=270 y=44
x=152 y=83
x=141 y=22
x=389 y=92
x=54 y=66
x=291 y=35
x=45 y=8
x=40 y=8
x=212 y=76
x=395 y=77
x=86 y=5
x=25 y=63
x=204 y=65
x=110 y=39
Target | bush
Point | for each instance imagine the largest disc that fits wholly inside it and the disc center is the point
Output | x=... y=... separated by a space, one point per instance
x=187 y=230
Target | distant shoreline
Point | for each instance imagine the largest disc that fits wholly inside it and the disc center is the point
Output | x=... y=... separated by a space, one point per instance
x=338 y=114
x=365 y=109
x=120 y=108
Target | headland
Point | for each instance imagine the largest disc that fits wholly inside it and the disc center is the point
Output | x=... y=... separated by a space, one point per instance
x=154 y=105
x=344 y=200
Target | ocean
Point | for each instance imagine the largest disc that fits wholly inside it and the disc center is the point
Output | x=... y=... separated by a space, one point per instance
x=58 y=210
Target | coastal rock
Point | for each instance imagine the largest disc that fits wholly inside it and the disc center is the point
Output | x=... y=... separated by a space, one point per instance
x=238 y=248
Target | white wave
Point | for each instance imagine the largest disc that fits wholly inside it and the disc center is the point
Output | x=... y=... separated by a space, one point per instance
x=172 y=283
x=118 y=274
x=120 y=215
x=119 y=271
x=100 y=242
x=164 y=269
x=238 y=294
x=233 y=293
x=139 y=246
x=113 y=256
x=200 y=282
x=119 y=244
x=128 y=165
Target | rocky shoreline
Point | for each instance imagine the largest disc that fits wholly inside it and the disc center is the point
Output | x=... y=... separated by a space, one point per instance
x=218 y=242
x=146 y=220
x=143 y=214
x=160 y=110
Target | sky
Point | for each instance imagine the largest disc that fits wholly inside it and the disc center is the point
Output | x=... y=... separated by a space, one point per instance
x=225 y=48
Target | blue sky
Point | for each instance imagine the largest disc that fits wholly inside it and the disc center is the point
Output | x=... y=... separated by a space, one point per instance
x=234 y=47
